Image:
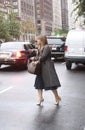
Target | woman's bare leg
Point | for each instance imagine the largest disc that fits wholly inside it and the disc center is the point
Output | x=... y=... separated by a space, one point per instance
x=57 y=97
x=40 y=96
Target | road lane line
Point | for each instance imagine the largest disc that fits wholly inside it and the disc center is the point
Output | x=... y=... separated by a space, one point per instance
x=2 y=91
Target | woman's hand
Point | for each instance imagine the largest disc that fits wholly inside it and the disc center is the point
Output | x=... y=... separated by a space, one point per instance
x=36 y=51
x=32 y=58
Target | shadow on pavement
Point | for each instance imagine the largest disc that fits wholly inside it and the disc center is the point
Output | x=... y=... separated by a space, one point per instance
x=79 y=67
x=45 y=118
x=12 y=68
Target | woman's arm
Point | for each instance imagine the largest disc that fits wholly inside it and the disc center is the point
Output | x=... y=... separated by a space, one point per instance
x=46 y=52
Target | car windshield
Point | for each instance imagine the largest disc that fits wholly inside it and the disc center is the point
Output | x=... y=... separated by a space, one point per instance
x=54 y=41
x=11 y=46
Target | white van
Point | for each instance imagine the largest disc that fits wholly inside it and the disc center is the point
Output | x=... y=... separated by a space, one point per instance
x=75 y=47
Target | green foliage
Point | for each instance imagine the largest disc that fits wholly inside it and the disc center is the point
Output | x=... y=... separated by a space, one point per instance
x=27 y=26
x=59 y=32
x=9 y=28
x=4 y=34
x=13 y=26
x=80 y=7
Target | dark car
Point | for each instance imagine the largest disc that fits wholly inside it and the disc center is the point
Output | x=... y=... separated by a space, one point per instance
x=15 y=53
x=57 y=45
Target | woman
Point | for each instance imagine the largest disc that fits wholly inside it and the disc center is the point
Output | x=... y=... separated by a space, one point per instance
x=48 y=78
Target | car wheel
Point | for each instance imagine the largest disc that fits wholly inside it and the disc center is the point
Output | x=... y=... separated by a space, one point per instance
x=68 y=65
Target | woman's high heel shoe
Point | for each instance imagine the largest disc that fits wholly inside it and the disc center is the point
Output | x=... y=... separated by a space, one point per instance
x=58 y=101
x=39 y=102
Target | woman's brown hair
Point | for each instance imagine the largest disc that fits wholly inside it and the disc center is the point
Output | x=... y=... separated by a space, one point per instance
x=43 y=38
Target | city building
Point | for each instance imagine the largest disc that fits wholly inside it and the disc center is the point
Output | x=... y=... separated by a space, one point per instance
x=57 y=21
x=24 y=10
x=4 y=7
x=64 y=11
x=44 y=16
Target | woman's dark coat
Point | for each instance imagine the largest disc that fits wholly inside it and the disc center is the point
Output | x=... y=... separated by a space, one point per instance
x=48 y=71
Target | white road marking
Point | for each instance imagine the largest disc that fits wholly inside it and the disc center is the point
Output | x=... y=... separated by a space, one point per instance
x=2 y=91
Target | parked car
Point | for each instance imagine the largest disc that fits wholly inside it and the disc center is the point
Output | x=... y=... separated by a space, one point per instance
x=75 y=47
x=15 y=53
x=57 y=46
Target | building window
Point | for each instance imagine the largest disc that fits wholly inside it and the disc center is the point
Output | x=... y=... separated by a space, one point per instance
x=38 y=21
x=38 y=11
x=15 y=10
x=15 y=3
x=38 y=16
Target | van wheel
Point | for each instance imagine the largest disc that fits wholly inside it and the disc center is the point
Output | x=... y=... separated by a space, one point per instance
x=68 y=65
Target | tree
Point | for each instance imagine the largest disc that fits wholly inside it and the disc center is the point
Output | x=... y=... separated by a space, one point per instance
x=79 y=7
x=9 y=28
x=60 y=32
x=4 y=34
x=27 y=27
x=13 y=26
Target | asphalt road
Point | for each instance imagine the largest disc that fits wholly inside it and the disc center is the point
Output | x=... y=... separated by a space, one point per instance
x=18 y=97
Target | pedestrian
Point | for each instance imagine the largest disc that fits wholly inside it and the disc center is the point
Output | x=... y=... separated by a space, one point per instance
x=47 y=79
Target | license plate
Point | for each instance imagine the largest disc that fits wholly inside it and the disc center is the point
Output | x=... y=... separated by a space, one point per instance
x=53 y=48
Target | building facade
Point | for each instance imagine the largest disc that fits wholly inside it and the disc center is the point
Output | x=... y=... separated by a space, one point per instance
x=64 y=11
x=44 y=16
x=24 y=10
x=57 y=22
x=4 y=6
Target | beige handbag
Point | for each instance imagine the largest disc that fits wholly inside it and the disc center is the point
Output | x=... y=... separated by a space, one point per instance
x=34 y=67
